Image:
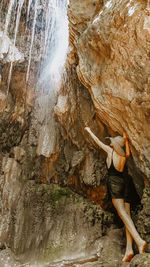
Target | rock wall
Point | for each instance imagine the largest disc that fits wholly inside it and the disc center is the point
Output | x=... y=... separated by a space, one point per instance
x=43 y=143
x=47 y=160
x=110 y=49
x=50 y=223
x=113 y=54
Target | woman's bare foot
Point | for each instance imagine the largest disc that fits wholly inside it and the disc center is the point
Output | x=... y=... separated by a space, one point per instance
x=142 y=247
x=128 y=256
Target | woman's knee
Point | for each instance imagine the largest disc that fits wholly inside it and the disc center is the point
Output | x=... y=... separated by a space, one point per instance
x=119 y=206
x=118 y=203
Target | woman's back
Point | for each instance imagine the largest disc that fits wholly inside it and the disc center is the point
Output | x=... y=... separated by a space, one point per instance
x=115 y=162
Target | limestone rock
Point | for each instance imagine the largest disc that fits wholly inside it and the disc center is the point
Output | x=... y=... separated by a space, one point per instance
x=68 y=225
x=114 y=64
x=140 y=260
x=10 y=190
x=109 y=41
x=8 y=52
x=7 y=257
x=47 y=140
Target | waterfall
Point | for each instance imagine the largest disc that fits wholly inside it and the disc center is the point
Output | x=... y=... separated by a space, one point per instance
x=20 y=4
x=53 y=55
x=11 y=4
x=32 y=38
x=45 y=21
x=55 y=43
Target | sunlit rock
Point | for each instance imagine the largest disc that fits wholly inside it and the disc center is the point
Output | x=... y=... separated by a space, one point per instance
x=42 y=137
x=114 y=64
x=47 y=139
x=62 y=107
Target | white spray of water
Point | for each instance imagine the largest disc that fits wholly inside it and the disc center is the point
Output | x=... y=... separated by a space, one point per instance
x=56 y=42
x=20 y=4
x=48 y=24
x=54 y=37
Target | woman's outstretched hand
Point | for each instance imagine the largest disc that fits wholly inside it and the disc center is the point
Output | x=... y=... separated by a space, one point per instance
x=87 y=129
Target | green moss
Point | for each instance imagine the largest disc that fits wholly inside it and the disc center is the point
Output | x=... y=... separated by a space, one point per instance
x=53 y=252
x=55 y=195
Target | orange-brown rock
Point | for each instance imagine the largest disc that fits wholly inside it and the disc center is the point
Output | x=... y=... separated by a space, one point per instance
x=98 y=195
x=113 y=50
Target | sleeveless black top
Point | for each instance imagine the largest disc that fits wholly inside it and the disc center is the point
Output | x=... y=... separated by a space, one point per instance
x=112 y=171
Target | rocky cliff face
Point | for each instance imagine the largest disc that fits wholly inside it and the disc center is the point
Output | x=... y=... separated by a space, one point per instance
x=111 y=48
x=113 y=54
x=45 y=150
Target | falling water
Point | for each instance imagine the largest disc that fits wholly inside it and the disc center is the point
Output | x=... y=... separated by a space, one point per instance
x=21 y=2
x=53 y=36
x=10 y=8
x=28 y=10
x=32 y=40
x=55 y=42
x=53 y=55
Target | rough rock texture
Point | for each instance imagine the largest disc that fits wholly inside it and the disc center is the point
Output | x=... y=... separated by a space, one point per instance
x=43 y=143
x=140 y=260
x=68 y=225
x=114 y=64
x=111 y=50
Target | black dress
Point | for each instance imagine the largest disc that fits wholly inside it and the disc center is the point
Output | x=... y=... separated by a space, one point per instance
x=119 y=183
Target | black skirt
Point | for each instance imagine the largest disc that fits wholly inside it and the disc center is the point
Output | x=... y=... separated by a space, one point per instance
x=120 y=187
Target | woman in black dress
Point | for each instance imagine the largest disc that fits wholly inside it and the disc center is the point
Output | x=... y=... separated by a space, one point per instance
x=119 y=188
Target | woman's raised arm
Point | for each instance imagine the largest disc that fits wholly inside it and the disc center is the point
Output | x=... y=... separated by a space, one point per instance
x=126 y=144
x=106 y=148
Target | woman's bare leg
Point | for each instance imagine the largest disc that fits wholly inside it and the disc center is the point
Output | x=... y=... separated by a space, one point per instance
x=120 y=207
x=129 y=240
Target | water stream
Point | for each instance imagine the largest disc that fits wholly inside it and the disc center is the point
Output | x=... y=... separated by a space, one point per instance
x=8 y=17
x=46 y=23
x=20 y=5
x=32 y=38
x=55 y=42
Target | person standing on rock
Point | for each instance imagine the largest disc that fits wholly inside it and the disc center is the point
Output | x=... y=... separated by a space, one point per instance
x=118 y=183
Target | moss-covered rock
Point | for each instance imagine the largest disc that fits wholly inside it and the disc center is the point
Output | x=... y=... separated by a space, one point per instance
x=49 y=222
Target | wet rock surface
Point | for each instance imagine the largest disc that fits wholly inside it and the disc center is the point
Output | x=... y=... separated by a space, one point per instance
x=51 y=223
x=48 y=164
